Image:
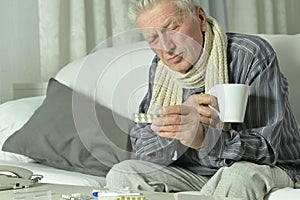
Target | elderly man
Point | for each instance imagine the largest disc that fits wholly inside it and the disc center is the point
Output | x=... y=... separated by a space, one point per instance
x=188 y=148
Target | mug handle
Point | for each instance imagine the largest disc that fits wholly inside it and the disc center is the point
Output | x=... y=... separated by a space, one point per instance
x=214 y=109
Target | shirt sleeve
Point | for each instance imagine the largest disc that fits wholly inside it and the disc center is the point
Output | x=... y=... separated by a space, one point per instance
x=267 y=117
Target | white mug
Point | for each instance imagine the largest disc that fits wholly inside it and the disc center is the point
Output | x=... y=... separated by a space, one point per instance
x=232 y=101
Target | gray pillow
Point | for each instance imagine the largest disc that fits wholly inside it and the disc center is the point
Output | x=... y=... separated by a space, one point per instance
x=64 y=132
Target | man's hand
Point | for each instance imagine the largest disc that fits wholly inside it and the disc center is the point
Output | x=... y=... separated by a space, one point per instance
x=181 y=122
x=184 y=122
x=200 y=102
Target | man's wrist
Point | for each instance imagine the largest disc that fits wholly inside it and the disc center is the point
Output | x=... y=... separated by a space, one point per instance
x=212 y=142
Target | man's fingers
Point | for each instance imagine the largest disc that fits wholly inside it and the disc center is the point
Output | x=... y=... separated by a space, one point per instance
x=205 y=111
x=176 y=109
x=166 y=120
x=214 y=101
x=172 y=115
x=169 y=110
x=205 y=99
x=170 y=128
x=173 y=127
x=167 y=134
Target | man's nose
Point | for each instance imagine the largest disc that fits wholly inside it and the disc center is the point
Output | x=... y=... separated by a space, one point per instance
x=166 y=41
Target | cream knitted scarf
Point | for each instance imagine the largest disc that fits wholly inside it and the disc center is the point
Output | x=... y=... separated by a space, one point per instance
x=209 y=70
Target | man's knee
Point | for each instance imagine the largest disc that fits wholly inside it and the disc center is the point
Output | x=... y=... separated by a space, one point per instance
x=118 y=175
x=247 y=170
x=121 y=169
x=131 y=168
x=134 y=174
x=247 y=175
x=241 y=179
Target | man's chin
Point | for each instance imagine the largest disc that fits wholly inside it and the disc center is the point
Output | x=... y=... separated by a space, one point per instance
x=181 y=69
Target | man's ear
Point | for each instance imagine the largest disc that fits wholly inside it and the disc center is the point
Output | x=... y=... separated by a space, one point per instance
x=202 y=17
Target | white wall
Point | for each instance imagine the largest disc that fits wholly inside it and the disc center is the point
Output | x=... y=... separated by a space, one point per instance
x=19 y=44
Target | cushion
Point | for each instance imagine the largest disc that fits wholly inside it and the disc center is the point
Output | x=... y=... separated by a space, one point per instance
x=13 y=115
x=119 y=82
x=69 y=131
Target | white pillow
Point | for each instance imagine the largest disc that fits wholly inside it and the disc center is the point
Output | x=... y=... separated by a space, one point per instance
x=115 y=77
x=13 y=115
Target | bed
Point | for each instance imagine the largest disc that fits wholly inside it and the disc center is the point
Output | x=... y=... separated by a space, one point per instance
x=94 y=97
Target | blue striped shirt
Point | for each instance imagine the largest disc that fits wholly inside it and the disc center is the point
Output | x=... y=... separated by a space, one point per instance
x=269 y=134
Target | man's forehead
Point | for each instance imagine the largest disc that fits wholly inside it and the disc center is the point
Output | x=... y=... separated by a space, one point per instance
x=165 y=22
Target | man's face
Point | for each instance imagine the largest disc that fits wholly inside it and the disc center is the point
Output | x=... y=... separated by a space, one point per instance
x=175 y=36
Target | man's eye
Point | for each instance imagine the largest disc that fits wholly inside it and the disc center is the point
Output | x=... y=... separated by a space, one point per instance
x=174 y=28
x=174 y=25
x=151 y=40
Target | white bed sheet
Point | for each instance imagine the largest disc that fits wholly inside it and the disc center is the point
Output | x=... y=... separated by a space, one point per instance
x=59 y=176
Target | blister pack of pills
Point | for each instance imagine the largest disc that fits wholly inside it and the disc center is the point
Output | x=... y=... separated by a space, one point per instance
x=144 y=117
x=121 y=195
x=130 y=198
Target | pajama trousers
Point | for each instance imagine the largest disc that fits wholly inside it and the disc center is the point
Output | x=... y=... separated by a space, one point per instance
x=243 y=179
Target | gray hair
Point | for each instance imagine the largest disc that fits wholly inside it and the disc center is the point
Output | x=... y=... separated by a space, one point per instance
x=136 y=7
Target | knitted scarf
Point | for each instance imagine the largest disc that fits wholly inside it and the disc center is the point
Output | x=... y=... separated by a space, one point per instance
x=209 y=70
